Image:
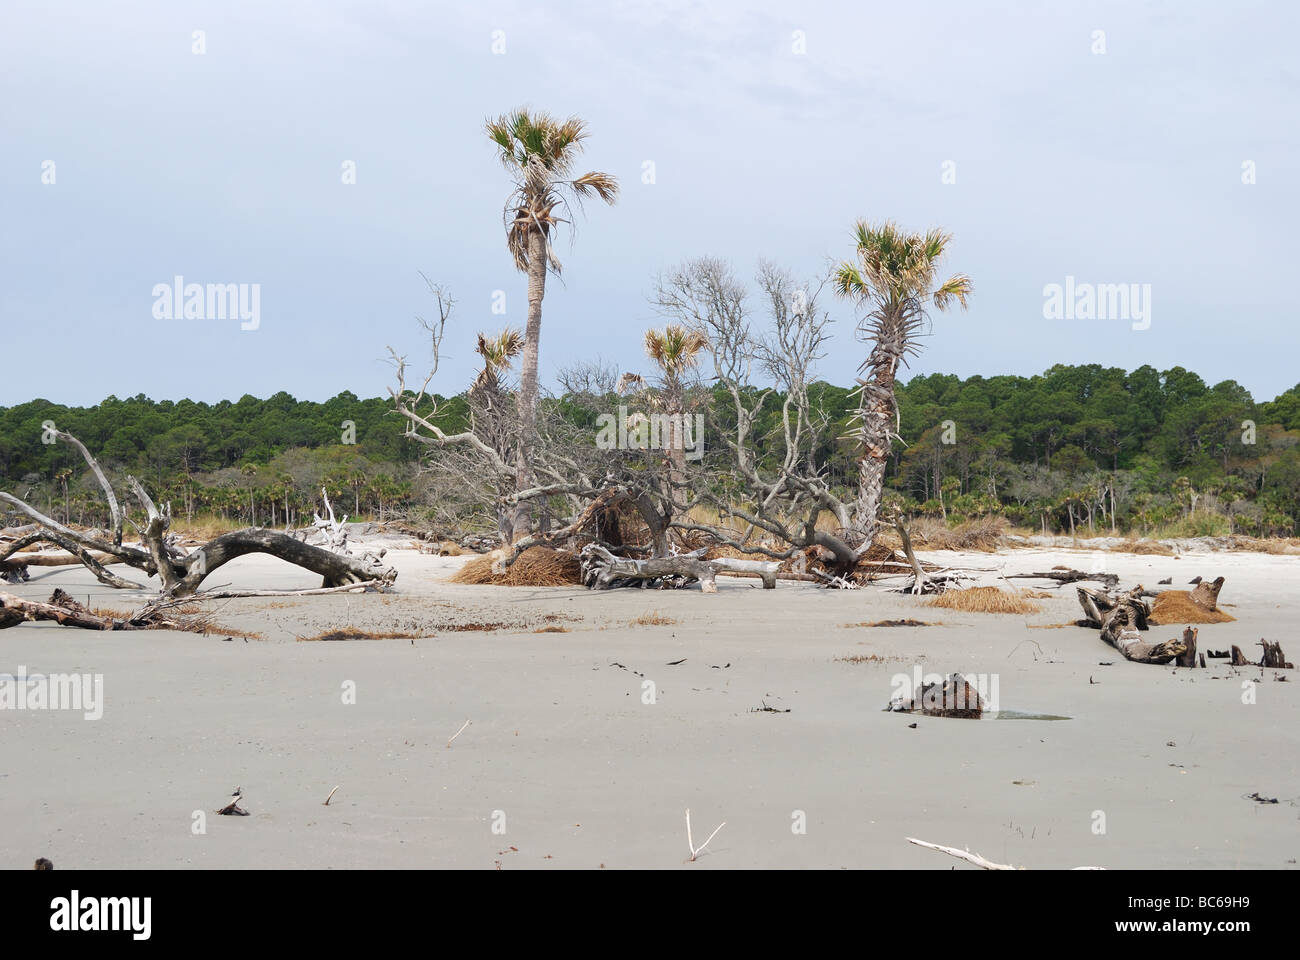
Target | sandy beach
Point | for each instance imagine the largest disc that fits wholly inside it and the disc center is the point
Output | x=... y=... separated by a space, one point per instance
x=564 y=755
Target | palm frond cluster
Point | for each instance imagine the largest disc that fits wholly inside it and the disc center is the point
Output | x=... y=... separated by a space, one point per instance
x=540 y=153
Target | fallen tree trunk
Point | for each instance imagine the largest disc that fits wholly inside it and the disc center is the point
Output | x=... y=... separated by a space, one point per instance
x=766 y=570
x=1120 y=618
x=60 y=609
x=76 y=553
x=1111 y=580
x=335 y=569
x=181 y=573
x=601 y=570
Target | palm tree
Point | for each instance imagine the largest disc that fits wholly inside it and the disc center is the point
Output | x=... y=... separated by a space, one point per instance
x=62 y=477
x=675 y=350
x=249 y=471
x=894 y=276
x=539 y=153
x=497 y=352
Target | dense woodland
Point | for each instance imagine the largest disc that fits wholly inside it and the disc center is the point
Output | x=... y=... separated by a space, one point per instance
x=1079 y=448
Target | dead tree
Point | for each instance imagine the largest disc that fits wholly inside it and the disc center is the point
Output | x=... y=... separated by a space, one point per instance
x=602 y=569
x=1120 y=617
x=181 y=572
x=1062 y=577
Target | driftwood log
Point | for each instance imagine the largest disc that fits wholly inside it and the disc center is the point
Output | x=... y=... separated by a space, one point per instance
x=1062 y=577
x=159 y=555
x=1120 y=617
x=601 y=570
x=60 y=609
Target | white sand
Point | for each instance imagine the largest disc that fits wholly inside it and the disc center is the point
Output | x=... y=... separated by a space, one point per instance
x=588 y=775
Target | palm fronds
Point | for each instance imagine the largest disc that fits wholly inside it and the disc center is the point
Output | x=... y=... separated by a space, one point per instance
x=540 y=153
x=675 y=348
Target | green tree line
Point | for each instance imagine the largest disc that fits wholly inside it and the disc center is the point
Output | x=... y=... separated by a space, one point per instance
x=1088 y=448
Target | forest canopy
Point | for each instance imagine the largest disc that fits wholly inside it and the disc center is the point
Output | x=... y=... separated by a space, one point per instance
x=1078 y=446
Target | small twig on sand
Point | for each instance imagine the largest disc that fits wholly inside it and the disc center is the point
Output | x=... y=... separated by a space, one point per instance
x=331 y=796
x=233 y=809
x=457 y=733
x=975 y=858
x=690 y=842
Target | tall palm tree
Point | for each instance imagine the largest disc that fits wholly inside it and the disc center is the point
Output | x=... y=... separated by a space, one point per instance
x=675 y=349
x=894 y=276
x=539 y=152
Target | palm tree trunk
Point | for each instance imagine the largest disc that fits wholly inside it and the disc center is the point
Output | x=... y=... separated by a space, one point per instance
x=528 y=387
x=877 y=420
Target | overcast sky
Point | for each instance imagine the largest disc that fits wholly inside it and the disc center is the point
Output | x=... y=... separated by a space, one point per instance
x=226 y=167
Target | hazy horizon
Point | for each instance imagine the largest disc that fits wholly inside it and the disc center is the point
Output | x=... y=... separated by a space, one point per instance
x=771 y=129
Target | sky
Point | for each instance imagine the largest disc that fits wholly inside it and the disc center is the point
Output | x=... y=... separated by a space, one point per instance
x=1113 y=143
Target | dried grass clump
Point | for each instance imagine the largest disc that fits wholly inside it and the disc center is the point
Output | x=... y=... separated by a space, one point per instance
x=353 y=633
x=1177 y=606
x=535 y=567
x=1036 y=594
x=189 y=618
x=889 y=623
x=984 y=534
x=655 y=619
x=983 y=600
x=1146 y=548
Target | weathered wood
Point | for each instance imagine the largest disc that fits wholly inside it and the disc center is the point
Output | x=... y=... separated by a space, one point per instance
x=766 y=570
x=1273 y=656
x=1239 y=658
x=75 y=553
x=1120 y=618
x=954 y=697
x=335 y=569
x=1111 y=580
x=602 y=570
x=1188 y=657
x=15 y=610
x=1206 y=594
x=181 y=573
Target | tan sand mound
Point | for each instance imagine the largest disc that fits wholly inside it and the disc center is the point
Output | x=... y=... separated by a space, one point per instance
x=1177 y=606
x=536 y=567
x=983 y=600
